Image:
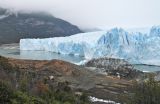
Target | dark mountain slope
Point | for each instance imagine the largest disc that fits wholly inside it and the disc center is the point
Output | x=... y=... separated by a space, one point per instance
x=34 y=25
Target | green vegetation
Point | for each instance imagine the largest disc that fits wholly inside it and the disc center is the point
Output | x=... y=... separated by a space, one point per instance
x=25 y=87
x=146 y=92
x=21 y=86
x=46 y=96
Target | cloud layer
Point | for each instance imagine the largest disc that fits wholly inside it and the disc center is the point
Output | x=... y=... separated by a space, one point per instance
x=94 y=13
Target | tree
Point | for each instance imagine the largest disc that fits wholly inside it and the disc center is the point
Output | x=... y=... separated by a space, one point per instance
x=147 y=92
x=6 y=92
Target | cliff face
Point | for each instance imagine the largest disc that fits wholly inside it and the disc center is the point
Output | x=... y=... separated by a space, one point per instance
x=32 y=25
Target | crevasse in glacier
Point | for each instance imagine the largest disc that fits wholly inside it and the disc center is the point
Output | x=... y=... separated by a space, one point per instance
x=135 y=47
x=76 y=44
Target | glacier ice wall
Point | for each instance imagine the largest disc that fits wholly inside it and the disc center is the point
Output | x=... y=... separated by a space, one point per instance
x=136 y=47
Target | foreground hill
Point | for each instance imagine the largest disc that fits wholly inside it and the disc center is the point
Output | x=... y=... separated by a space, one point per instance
x=59 y=82
x=32 y=25
x=49 y=73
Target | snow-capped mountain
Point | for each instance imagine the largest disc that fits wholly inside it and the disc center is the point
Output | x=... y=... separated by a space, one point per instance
x=135 y=47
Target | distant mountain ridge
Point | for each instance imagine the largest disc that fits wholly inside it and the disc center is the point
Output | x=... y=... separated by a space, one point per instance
x=13 y=27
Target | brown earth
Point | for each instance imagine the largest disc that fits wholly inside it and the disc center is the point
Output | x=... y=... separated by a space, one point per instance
x=80 y=78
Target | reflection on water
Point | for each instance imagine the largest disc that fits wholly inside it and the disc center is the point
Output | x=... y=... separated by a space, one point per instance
x=38 y=55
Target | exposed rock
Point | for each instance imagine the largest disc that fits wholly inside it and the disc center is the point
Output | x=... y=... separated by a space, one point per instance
x=51 y=77
x=114 y=67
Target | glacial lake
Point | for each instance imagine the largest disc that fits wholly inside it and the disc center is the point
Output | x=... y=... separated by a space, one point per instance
x=12 y=51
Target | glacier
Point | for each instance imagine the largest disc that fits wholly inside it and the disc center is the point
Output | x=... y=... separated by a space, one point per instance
x=135 y=47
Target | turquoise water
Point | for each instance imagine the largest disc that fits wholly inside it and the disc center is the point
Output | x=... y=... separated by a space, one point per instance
x=13 y=51
x=147 y=68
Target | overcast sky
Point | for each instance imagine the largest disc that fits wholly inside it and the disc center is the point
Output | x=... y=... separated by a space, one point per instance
x=95 y=13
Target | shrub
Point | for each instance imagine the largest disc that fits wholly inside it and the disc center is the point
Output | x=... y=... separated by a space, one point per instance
x=6 y=92
x=4 y=64
x=26 y=87
x=147 y=92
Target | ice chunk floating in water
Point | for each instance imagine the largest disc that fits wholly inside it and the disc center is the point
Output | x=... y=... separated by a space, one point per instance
x=135 y=47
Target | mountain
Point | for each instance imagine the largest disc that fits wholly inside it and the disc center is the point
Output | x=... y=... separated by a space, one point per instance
x=135 y=47
x=14 y=26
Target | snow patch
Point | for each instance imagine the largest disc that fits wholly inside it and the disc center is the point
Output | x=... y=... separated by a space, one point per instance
x=94 y=99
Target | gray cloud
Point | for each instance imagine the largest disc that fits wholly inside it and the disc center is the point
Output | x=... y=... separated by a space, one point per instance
x=94 y=13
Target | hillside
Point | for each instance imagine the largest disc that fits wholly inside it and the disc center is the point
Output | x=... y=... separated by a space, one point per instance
x=79 y=78
x=32 y=25
x=60 y=82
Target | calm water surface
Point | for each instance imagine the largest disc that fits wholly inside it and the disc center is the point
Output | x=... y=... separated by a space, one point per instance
x=12 y=51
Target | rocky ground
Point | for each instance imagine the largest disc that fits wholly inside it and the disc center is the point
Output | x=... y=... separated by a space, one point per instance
x=80 y=78
x=114 y=67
